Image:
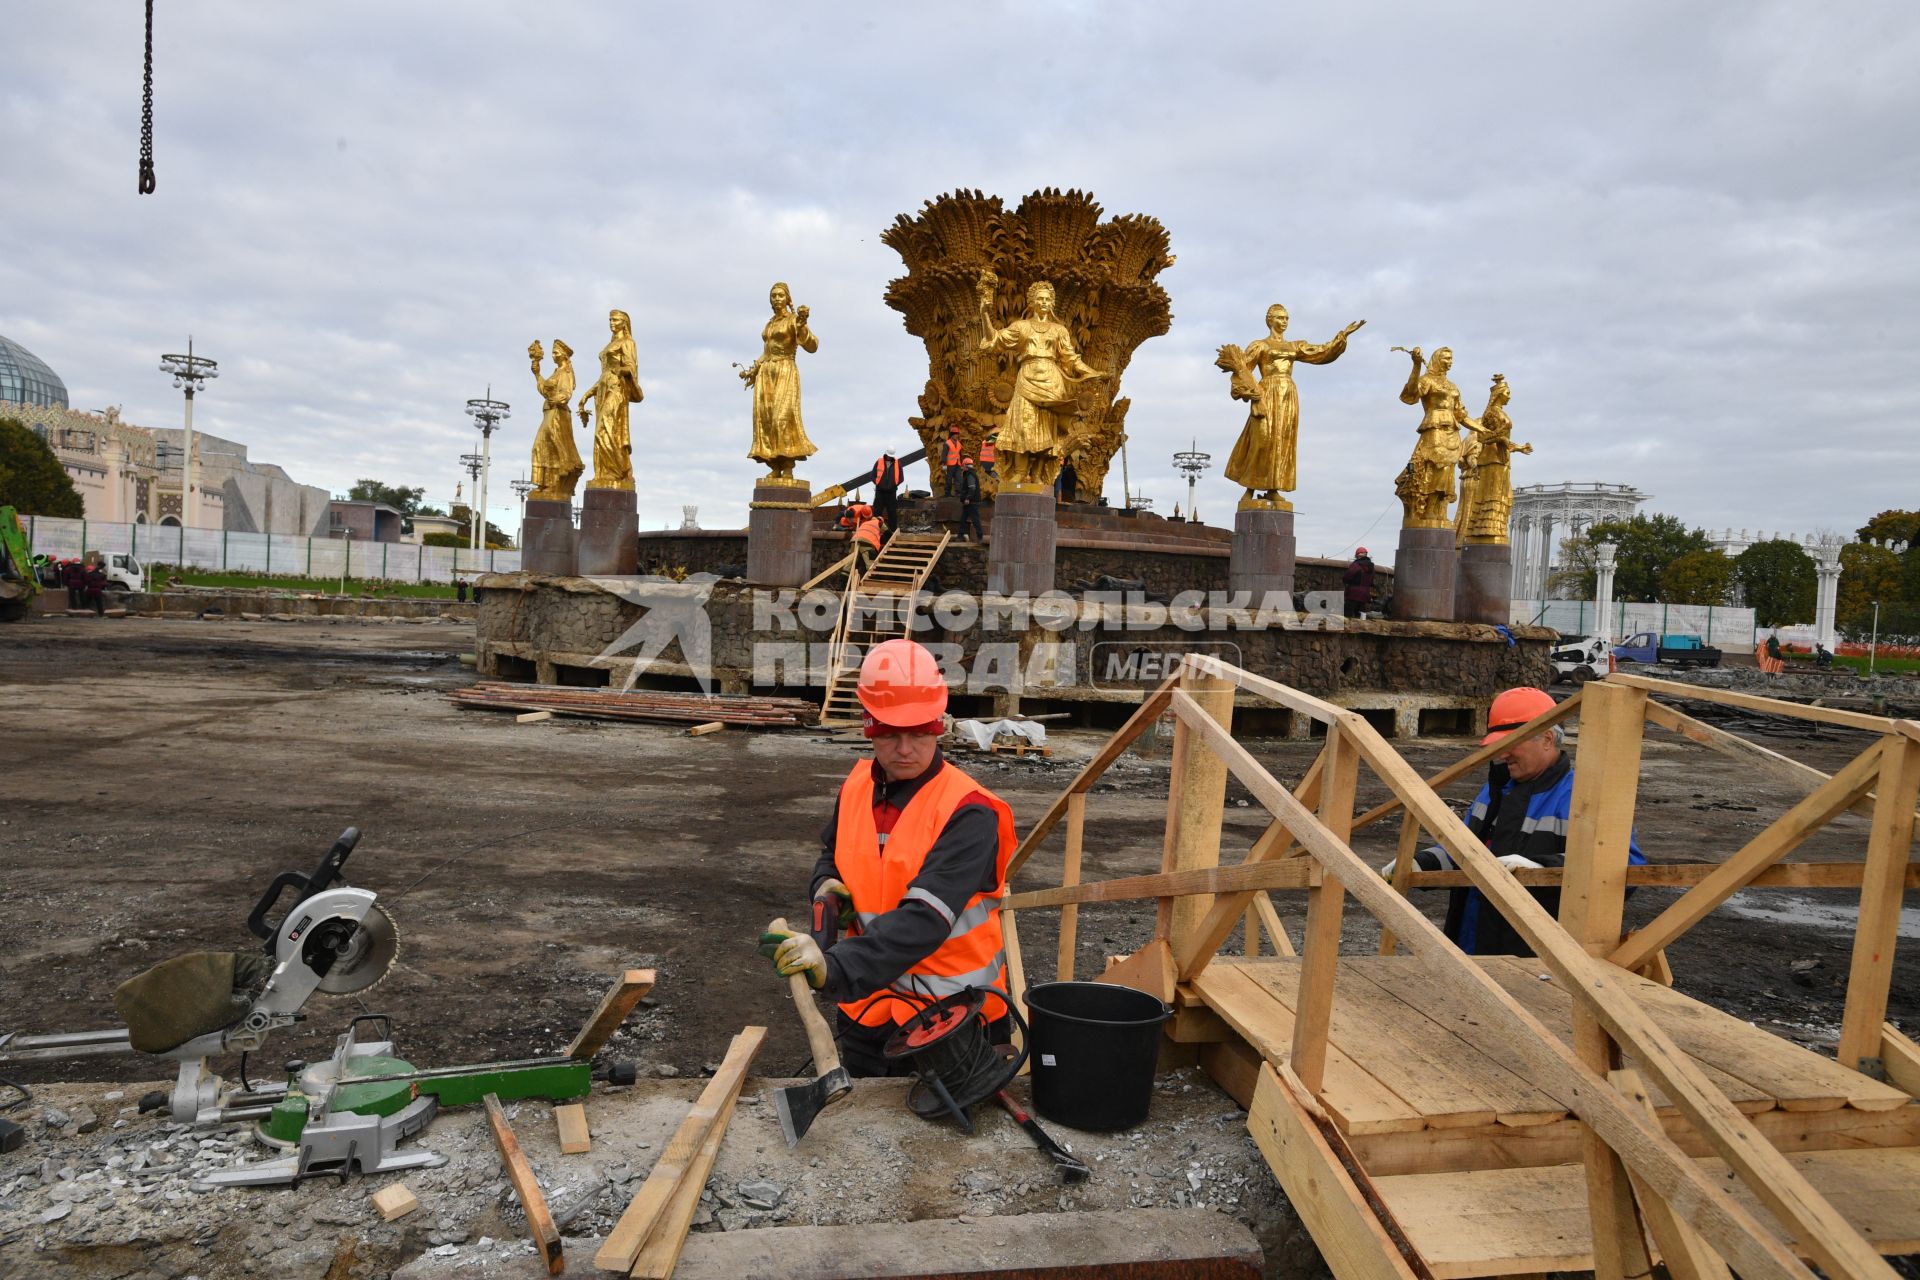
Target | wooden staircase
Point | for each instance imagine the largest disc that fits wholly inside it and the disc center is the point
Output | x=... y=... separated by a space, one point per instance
x=871 y=612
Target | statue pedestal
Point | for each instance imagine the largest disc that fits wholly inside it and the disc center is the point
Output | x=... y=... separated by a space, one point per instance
x=1262 y=559
x=609 y=533
x=1020 y=544
x=548 y=543
x=1483 y=590
x=780 y=535
x=1423 y=576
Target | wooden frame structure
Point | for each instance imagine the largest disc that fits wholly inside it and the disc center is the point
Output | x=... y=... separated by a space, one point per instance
x=873 y=609
x=1432 y=1113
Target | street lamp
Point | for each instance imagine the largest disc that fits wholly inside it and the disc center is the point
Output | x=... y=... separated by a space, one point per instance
x=522 y=487
x=476 y=518
x=487 y=414
x=1873 y=646
x=189 y=371
x=1191 y=462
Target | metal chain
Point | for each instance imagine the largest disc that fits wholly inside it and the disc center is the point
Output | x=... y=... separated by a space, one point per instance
x=146 y=115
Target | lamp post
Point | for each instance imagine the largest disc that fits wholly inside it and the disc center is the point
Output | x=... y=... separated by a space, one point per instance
x=476 y=518
x=189 y=371
x=487 y=414
x=521 y=488
x=1191 y=462
x=1873 y=646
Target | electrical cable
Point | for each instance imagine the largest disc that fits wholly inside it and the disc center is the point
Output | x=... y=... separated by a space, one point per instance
x=26 y=1094
x=147 y=180
x=1369 y=529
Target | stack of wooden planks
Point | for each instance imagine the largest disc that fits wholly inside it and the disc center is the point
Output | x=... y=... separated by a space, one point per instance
x=608 y=704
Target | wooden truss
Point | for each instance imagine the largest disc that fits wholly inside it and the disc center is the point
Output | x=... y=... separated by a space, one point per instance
x=1432 y=1113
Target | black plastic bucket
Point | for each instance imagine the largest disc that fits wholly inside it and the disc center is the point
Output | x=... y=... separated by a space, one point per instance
x=1094 y=1049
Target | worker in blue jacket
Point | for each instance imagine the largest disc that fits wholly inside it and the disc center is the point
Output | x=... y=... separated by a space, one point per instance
x=1521 y=816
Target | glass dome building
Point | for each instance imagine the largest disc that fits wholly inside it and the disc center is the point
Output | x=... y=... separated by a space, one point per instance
x=26 y=379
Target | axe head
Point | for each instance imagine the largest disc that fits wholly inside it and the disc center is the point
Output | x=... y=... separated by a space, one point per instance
x=798 y=1105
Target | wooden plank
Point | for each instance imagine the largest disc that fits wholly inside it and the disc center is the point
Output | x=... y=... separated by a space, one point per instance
x=1477 y=757
x=1732 y=745
x=1234 y=1065
x=1753 y=702
x=826 y=573
x=1593 y=894
x=1358 y=1102
x=1683 y=875
x=1781 y=837
x=1686 y=1255
x=1270 y=920
x=628 y=990
x=679 y=1156
x=1016 y=976
x=1150 y=969
x=1320 y=941
x=1274 y=843
x=1870 y=971
x=533 y=717
x=1728 y=1227
x=711 y=726
x=571 y=1121
x=396 y=1201
x=546 y=1236
x=1196 y=803
x=1403 y=866
x=660 y=1253
x=1517 y=1101
x=1350 y=1236
x=1900 y=1059
x=1290 y=873
x=1070 y=914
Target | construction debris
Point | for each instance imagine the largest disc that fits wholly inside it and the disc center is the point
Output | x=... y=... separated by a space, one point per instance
x=607 y=704
x=395 y=1201
x=526 y=1188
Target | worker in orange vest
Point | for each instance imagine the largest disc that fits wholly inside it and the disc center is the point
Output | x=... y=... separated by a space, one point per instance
x=888 y=476
x=950 y=457
x=866 y=538
x=989 y=452
x=913 y=865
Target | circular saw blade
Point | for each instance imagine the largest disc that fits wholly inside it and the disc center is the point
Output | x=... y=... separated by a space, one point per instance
x=369 y=956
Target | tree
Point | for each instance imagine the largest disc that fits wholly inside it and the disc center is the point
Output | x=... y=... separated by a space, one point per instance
x=1891 y=526
x=1698 y=577
x=464 y=514
x=402 y=499
x=1868 y=572
x=1647 y=545
x=32 y=481
x=1777 y=579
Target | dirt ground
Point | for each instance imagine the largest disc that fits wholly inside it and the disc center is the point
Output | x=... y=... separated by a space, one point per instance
x=162 y=772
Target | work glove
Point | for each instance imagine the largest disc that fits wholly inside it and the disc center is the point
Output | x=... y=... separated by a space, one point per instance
x=795 y=953
x=1514 y=862
x=841 y=901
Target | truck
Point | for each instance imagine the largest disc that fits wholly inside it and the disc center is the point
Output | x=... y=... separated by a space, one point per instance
x=124 y=573
x=1673 y=650
x=1579 y=659
x=18 y=582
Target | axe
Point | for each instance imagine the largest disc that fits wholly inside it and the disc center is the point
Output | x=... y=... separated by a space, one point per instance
x=799 y=1104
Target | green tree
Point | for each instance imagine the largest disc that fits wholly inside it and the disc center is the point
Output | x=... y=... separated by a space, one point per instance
x=402 y=499
x=1777 y=579
x=1647 y=545
x=1891 y=526
x=1868 y=572
x=496 y=539
x=32 y=481
x=1698 y=577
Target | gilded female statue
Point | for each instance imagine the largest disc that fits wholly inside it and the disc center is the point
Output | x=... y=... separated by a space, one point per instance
x=1035 y=434
x=1438 y=449
x=1488 y=507
x=1263 y=461
x=556 y=460
x=779 y=437
x=618 y=387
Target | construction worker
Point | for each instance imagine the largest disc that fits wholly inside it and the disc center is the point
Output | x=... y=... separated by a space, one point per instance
x=73 y=578
x=950 y=456
x=989 y=452
x=967 y=489
x=1521 y=815
x=1357 y=582
x=93 y=588
x=888 y=476
x=866 y=537
x=913 y=864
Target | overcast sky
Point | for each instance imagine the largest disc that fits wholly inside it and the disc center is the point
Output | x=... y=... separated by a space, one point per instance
x=1685 y=233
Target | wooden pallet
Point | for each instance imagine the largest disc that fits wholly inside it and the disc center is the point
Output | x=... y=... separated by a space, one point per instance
x=1021 y=748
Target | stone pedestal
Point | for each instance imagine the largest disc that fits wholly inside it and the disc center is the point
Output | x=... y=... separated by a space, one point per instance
x=548 y=543
x=1020 y=544
x=609 y=533
x=1262 y=559
x=1483 y=586
x=1423 y=576
x=780 y=535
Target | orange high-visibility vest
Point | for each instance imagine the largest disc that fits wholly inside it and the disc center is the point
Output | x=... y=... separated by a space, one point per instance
x=953 y=451
x=987 y=452
x=878 y=876
x=869 y=532
x=880 y=471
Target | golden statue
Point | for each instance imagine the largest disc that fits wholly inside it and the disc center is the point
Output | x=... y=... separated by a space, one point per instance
x=556 y=460
x=618 y=387
x=1264 y=457
x=1430 y=488
x=779 y=437
x=1103 y=274
x=1038 y=428
x=1486 y=498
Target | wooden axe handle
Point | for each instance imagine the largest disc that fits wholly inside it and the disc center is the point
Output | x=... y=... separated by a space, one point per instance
x=826 y=1055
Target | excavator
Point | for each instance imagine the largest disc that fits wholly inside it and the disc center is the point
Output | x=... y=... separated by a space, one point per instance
x=18 y=583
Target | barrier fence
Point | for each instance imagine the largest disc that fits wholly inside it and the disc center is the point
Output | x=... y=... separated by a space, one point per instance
x=1724 y=626
x=227 y=551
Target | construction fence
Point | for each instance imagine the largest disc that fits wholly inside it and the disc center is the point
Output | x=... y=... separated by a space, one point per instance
x=228 y=551
x=1723 y=626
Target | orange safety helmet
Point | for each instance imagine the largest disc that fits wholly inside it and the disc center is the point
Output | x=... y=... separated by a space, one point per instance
x=901 y=685
x=1514 y=708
